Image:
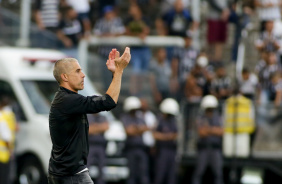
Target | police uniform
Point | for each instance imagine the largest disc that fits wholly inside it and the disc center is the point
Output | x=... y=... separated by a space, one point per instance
x=97 y=145
x=135 y=153
x=209 y=151
x=166 y=152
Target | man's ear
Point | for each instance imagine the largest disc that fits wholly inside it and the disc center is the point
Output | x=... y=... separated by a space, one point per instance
x=64 y=77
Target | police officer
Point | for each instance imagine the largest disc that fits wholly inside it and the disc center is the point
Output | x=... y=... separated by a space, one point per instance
x=135 y=147
x=98 y=124
x=210 y=133
x=166 y=135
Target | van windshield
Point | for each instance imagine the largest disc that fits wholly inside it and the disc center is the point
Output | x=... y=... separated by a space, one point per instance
x=41 y=94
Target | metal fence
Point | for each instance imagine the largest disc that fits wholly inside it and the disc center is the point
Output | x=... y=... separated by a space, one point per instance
x=266 y=141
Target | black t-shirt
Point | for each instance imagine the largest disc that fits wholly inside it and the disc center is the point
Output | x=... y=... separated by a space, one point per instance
x=72 y=29
x=69 y=129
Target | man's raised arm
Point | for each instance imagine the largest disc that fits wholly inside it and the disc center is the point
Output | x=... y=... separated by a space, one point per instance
x=117 y=64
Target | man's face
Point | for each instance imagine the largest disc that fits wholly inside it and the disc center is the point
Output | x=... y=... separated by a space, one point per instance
x=269 y=26
x=245 y=75
x=220 y=72
x=72 y=14
x=75 y=77
x=161 y=54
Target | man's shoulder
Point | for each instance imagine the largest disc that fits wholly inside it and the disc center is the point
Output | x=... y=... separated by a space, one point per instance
x=61 y=96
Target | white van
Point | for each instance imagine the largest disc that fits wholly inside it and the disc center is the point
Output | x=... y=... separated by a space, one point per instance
x=26 y=77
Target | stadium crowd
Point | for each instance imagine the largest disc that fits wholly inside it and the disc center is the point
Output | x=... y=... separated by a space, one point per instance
x=187 y=73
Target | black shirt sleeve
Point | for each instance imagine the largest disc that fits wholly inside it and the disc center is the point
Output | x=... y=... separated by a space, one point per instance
x=78 y=104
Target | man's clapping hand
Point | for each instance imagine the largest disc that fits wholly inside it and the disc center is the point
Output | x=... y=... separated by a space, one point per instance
x=117 y=62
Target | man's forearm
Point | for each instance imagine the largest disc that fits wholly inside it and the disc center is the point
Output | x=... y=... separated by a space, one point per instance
x=114 y=88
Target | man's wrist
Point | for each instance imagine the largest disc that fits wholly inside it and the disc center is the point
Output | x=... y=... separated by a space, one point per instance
x=117 y=72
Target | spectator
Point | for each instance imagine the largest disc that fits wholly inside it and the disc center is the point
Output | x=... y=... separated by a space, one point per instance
x=110 y=25
x=248 y=84
x=82 y=7
x=264 y=72
x=268 y=40
x=178 y=19
x=162 y=30
x=275 y=89
x=204 y=72
x=210 y=131
x=160 y=76
x=98 y=125
x=138 y=25
x=103 y=3
x=241 y=19
x=135 y=147
x=69 y=31
x=47 y=14
x=221 y=85
x=278 y=35
x=198 y=81
x=268 y=10
x=160 y=27
x=148 y=7
x=262 y=61
x=197 y=84
x=193 y=90
x=166 y=137
x=217 y=27
x=203 y=61
x=248 y=7
x=182 y=62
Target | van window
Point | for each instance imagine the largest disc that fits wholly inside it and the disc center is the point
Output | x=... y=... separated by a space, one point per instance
x=40 y=93
x=6 y=91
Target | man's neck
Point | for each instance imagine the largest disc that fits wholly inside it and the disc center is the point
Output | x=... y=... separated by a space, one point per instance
x=68 y=87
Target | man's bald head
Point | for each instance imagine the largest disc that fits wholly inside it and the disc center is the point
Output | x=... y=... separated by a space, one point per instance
x=62 y=66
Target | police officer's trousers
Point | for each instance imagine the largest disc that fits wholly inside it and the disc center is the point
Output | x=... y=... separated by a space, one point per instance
x=209 y=157
x=97 y=156
x=165 y=166
x=138 y=166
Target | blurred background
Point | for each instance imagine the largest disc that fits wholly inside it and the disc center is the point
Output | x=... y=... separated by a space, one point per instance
x=229 y=51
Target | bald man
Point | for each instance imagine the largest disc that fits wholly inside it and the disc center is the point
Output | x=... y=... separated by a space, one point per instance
x=68 y=121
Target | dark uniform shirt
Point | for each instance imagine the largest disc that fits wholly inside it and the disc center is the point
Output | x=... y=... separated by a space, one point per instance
x=212 y=140
x=69 y=129
x=167 y=126
x=133 y=141
x=97 y=139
